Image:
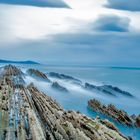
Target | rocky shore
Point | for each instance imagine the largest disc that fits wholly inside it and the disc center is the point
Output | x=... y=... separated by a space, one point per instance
x=117 y=114
x=29 y=114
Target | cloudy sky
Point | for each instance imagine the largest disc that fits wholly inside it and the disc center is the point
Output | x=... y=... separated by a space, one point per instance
x=72 y=32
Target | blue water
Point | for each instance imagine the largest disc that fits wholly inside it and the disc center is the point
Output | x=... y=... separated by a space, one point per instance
x=126 y=79
x=77 y=98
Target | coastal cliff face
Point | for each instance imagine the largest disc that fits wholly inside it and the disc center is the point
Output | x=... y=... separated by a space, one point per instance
x=29 y=114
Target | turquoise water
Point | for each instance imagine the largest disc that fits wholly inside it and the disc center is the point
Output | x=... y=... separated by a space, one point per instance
x=126 y=79
x=77 y=98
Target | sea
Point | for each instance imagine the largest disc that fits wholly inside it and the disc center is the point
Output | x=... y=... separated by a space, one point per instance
x=126 y=78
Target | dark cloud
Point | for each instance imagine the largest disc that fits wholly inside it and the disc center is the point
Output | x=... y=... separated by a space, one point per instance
x=111 y=23
x=38 y=3
x=131 y=5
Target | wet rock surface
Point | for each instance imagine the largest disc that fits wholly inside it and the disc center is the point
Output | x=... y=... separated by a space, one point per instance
x=70 y=124
x=14 y=74
x=10 y=70
x=65 y=77
x=116 y=89
x=57 y=86
x=108 y=89
x=98 y=88
x=103 y=89
x=29 y=114
x=117 y=114
x=137 y=120
x=38 y=74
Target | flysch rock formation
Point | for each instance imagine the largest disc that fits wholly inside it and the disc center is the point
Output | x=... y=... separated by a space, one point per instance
x=14 y=73
x=117 y=114
x=29 y=114
x=57 y=86
x=108 y=89
x=38 y=74
x=42 y=76
x=116 y=89
x=65 y=77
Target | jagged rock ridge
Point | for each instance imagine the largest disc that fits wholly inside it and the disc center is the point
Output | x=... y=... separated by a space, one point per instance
x=43 y=76
x=38 y=74
x=14 y=74
x=65 y=77
x=57 y=86
x=27 y=113
x=108 y=89
x=117 y=114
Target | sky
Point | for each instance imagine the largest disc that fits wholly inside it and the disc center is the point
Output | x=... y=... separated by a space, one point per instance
x=71 y=32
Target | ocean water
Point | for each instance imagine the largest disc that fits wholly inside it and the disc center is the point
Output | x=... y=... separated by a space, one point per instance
x=127 y=79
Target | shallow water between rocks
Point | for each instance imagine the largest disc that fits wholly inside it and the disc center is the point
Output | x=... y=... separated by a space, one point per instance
x=77 y=98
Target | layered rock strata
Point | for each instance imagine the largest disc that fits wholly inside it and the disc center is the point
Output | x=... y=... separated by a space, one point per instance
x=70 y=125
x=14 y=74
x=57 y=86
x=38 y=74
x=117 y=114
x=18 y=118
x=28 y=114
x=107 y=89
x=65 y=77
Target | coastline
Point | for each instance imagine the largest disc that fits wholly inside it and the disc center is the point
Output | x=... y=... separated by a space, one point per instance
x=69 y=101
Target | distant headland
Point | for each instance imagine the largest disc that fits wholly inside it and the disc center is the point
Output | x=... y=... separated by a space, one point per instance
x=18 y=62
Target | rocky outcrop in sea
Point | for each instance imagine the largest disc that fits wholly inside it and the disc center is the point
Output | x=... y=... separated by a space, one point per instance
x=137 y=121
x=103 y=89
x=65 y=77
x=108 y=89
x=38 y=74
x=117 y=90
x=116 y=114
x=57 y=86
x=26 y=113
